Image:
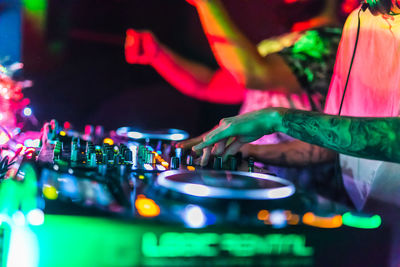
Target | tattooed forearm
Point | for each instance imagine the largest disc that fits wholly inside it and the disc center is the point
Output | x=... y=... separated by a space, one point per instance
x=294 y=153
x=374 y=138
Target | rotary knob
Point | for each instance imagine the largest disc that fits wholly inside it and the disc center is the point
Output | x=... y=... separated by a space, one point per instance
x=232 y=163
x=174 y=163
x=251 y=164
x=217 y=163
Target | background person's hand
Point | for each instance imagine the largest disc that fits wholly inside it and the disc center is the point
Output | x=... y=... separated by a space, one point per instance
x=232 y=133
x=141 y=47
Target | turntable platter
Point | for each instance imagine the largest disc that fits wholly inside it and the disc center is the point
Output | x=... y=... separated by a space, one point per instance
x=226 y=184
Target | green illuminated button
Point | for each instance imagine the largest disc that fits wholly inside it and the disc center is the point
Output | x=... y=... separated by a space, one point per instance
x=363 y=222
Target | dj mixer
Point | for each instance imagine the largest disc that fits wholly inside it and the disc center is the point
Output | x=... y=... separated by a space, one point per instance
x=131 y=198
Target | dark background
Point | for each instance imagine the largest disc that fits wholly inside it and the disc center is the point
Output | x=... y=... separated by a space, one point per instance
x=77 y=62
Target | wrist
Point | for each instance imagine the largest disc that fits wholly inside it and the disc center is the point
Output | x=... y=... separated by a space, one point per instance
x=158 y=56
x=273 y=119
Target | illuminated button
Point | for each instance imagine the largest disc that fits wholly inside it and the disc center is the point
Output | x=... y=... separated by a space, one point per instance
x=35 y=217
x=147 y=207
x=363 y=222
x=194 y=216
x=108 y=141
x=160 y=167
x=191 y=168
x=50 y=192
x=165 y=164
x=322 y=222
x=263 y=215
x=278 y=218
x=62 y=133
x=292 y=219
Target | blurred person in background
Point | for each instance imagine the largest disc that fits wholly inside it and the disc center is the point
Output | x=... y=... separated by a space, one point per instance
x=292 y=70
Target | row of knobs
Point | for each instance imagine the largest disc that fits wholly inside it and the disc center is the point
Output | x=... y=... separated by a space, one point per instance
x=109 y=155
x=145 y=155
x=217 y=164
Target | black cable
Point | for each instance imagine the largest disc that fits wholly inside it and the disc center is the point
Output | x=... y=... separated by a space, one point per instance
x=363 y=8
x=337 y=169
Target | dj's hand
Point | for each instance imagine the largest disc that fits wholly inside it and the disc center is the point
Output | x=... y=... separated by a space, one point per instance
x=188 y=144
x=141 y=47
x=234 y=132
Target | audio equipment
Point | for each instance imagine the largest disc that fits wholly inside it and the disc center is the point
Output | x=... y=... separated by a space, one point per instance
x=133 y=199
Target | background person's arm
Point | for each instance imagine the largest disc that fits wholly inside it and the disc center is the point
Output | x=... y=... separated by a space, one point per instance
x=189 y=77
x=238 y=55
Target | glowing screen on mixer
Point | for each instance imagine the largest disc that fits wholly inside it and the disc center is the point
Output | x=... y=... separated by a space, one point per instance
x=172 y=244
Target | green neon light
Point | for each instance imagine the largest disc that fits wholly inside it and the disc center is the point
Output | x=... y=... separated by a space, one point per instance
x=211 y=244
x=15 y=195
x=104 y=242
x=35 y=5
x=361 y=222
x=5 y=243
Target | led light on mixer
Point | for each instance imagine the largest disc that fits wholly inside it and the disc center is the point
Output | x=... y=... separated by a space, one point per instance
x=108 y=141
x=147 y=207
x=148 y=167
x=191 y=168
x=165 y=164
x=263 y=215
x=160 y=167
x=35 y=217
x=278 y=218
x=194 y=216
x=322 y=222
x=50 y=192
x=363 y=222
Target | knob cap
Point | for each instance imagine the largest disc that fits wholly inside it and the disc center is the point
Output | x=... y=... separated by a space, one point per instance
x=174 y=163
x=74 y=151
x=251 y=164
x=150 y=159
x=232 y=163
x=189 y=160
x=217 y=163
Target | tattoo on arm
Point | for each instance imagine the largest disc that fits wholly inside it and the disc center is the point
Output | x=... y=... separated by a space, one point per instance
x=374 y=138
x=294 y=153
